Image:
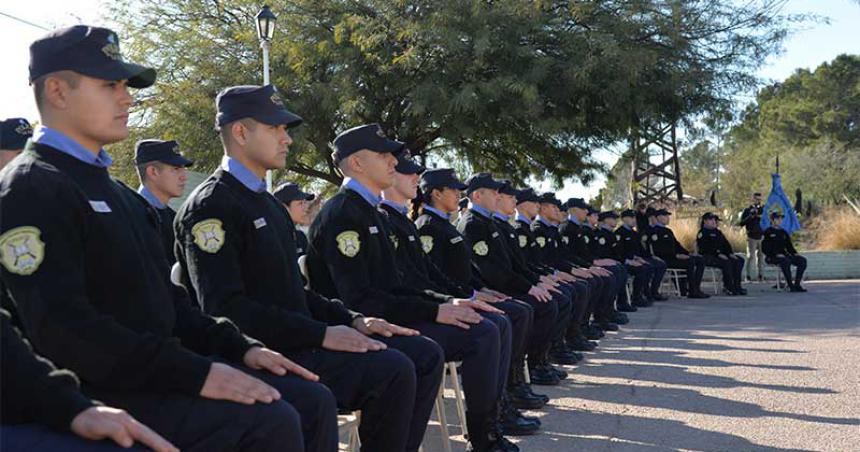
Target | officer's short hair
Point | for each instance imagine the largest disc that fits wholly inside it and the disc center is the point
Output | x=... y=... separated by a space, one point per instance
x=141 y=169
x=70 y=77
x=225 y=130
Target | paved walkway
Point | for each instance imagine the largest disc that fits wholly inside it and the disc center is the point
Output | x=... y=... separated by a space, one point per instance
x=767 y=372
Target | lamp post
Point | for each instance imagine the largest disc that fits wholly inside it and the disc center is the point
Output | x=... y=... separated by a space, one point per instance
x=265 y=31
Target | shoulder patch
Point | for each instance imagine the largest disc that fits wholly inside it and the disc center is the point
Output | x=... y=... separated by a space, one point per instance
x=22 y=250
x=481 y=248
x=654 y=237
x=586 y=239
x=427 y=243
x=700 y=235
x=348 y=243
x=523 y=241
x=565 y=239
x=617 y=236
x=541 y=242
x=602 y=241
x=209 y=235
x=394 y=241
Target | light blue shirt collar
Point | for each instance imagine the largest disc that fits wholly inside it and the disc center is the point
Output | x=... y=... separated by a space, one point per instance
x=573 y=220
x=624 y=225
x=546 y=222
x=399 y=207
x=430 y=208
x=356 y=186
x=243 y=174
x=524 y=219
x=501 y=216
x=603 y=226
x=660 y=225
x=61 y=142
x=480 y=210
x=150 y=197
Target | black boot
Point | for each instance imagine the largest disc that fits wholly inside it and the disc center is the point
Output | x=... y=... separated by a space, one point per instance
x=592 y=332
x=656 y=296
x=515 y=424
x=626 y=307
x=642 y=303
x=620 y=318
x=581 y=344
x=484 y=434
x=542 y=376
x=560 y=355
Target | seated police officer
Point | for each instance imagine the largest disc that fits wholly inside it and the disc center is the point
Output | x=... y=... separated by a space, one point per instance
x=591 y=227
x=631 y=247
x=14 y=133
x=161 y=169
x=778 y=250
x=90 y=280
x=550 y=260
x=447 y=248
x=576 y=236
x=717 y=252
x=510 y=316
x=297 y=204
x=236 y=244
x=609 y=241
x=665 y=246
x=351 y=257
x=43 y=408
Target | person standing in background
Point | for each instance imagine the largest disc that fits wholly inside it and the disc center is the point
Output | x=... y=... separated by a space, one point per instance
x=751 y=220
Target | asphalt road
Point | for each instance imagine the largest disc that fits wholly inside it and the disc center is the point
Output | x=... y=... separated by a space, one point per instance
x=768 y=372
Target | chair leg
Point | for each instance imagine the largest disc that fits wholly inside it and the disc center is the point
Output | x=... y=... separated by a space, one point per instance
x=458 y=396
x=526 y=373
x=443 y=419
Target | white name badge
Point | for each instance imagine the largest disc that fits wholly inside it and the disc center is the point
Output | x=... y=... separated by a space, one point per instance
x=100 y=206
x=373 y=230
x=259 y=222
x=411 y=238
x=495 y=234
x=456 y=240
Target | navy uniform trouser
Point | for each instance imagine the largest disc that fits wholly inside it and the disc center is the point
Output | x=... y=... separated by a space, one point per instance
x=695 y=268
x=485 y=360
x=34 y=437
x=546 y=314
x=383 y=385
x=731 y=269
x=304 y=419
x=659 y=271
x=577 y=293
x=605 y=294
x=521 y=317
x=785 y=264
x=641 y=278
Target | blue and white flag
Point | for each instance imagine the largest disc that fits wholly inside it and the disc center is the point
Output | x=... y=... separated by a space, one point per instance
x=777 y=200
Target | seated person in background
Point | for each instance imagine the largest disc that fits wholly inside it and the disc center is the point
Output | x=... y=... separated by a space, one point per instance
x=717 y=252
x=665 y=246
x=298 y=205
x=631 y=246
x=778 y=250
x=42 y=405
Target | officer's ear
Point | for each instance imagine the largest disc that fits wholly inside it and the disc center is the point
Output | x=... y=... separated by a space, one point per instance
x=52 y=89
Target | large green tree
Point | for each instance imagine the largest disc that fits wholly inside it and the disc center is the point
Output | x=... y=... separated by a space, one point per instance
x=524 y=89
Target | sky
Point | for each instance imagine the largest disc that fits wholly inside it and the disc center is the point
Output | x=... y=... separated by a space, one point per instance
x=806 y=48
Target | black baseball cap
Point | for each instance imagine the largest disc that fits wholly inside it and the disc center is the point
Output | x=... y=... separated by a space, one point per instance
x=368 y=136
x=776 y=214
x=146 y=151
x=549 y=198
x=608 y=214
x=527 y=195
x=628 y=213
x=440 y=178
x=650 y=212
x=91 y=51
x=710 y=215
x=405 y=164
x=576 y=202
x=662 y=212
x=14 y=133
x=593 y=211
x=482 y=180
x=508 y=188
x=261 y=103
x=289 y=192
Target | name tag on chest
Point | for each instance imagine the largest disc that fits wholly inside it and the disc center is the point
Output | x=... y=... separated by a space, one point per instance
x=411 y=238
x=456 y=240
x=259 y=222
x=495 y=234
x=373 y=230
x=100 y=206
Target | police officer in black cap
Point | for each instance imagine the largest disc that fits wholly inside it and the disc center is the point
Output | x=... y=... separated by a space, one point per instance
x=611 y=243
x=665 y=246
x=717 y=252
x=577 y=238
x=778 y=250
x=351 y=257
x=631 y=247
x=297 y=204
x=161 y=169
x=90 y=279
x=14 y=133
x=237 y=245
x=441 y=241
x=512 y=317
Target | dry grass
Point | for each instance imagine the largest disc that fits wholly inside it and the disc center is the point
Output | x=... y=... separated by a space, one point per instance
x=686 y=229
x=837 y=228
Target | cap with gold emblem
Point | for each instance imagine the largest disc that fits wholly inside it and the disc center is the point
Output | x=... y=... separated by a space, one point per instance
x=262 y=103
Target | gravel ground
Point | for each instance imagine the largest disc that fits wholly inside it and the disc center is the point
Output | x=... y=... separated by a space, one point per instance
x=768 y=372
